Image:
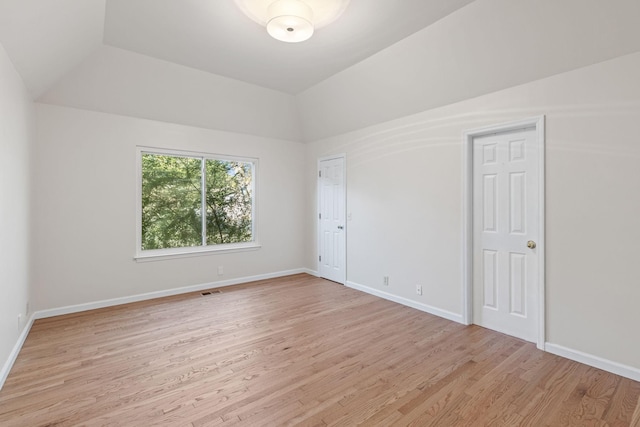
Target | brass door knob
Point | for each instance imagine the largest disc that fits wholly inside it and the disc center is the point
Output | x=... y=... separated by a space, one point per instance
x=531 y=244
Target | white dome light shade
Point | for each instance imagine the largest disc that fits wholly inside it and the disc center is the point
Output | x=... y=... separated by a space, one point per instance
x=285 y=19
x=290 y=21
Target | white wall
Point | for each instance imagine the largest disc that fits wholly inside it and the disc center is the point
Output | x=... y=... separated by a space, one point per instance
x=84 y=207
x=118 y=81
x=404 y=192
x=16 y=137
x=486 y=46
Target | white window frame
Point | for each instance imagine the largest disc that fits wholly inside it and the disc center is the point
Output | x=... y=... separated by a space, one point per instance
x=168 y=253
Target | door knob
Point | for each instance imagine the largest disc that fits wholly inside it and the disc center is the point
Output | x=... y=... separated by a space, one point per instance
x=531 y=244
x=340 y=227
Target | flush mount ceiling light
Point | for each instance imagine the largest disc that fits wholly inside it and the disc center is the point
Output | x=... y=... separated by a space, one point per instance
x=292 y=20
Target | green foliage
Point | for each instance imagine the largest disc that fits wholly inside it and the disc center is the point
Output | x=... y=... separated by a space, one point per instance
x=229 y=201
x=172 y=201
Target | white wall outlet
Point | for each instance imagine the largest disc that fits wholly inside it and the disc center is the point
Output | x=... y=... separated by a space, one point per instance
x=220 y=270
x=419 y=289
x=385 y=280
x=19 y=321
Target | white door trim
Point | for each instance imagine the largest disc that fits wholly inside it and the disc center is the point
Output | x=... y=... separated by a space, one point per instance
x=342 y=156
x=467 y=225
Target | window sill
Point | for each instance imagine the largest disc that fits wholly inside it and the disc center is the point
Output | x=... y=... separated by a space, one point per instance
x=165 y=254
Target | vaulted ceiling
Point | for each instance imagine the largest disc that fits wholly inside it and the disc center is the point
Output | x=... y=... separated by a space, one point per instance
x=204 y=63
x=46 y=39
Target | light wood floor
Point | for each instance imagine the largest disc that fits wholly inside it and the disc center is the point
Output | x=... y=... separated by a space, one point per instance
x=296 y=351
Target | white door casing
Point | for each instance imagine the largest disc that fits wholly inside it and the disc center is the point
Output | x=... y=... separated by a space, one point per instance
x=331 y=218
x=504 y=213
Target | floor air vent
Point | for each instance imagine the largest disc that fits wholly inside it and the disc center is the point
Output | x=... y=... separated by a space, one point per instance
x=207 y=293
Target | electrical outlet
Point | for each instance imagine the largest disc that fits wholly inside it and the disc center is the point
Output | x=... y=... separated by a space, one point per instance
x=419 y=289
x=385 y=280
x=220 y=270
x=19 y=321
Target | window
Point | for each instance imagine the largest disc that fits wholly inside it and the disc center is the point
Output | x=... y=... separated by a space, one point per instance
x=190 y=203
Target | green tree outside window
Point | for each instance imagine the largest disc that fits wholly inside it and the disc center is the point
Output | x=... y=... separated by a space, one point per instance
x=176 y=190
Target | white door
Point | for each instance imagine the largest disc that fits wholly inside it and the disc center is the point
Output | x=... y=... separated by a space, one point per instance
x=505 y=230
x=331 y=215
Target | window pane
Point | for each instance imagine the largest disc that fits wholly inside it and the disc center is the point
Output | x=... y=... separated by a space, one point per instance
x=171 y=202
x=229 y=201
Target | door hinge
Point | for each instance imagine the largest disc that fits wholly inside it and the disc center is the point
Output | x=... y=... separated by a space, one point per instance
x=319 y=216
x=320 y=258
x=319 y=174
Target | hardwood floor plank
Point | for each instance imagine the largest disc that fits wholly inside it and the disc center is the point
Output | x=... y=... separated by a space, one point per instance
x=623 y=403
x=635 y=418
x=296 y=351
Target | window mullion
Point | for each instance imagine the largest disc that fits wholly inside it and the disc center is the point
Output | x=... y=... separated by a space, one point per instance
x=203 y=196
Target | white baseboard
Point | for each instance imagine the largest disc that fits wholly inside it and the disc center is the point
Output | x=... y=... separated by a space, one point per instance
x=159 y=294
x=4 y=373
x=409 y=303
x=595 y=361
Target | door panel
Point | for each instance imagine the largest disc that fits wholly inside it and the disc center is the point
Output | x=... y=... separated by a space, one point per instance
x=505 y=218
x=517 y=202
x=490 y=281
x=518 y=281
x=490 y=203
